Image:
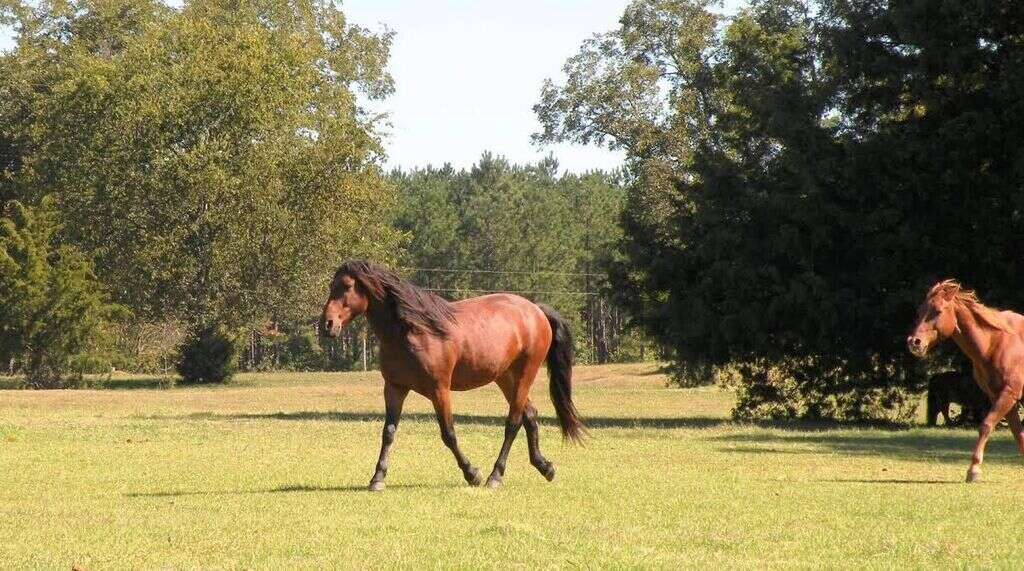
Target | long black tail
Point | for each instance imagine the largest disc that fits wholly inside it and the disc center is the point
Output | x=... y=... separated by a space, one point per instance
x=560 y=361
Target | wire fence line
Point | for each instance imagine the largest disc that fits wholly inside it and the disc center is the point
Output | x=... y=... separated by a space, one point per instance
x=509 y=272
x=431 y=283
x=539 y=292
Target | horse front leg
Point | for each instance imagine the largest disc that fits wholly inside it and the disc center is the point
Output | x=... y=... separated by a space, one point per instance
x=1006 y=400
x=394 y=398
x=443 y=407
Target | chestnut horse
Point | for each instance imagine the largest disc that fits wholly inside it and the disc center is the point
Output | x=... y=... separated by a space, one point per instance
x=432 y=346
x=992 y=339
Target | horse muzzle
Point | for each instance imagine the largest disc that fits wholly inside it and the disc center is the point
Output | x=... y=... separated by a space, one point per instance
x=917 y=346
x=330 y=327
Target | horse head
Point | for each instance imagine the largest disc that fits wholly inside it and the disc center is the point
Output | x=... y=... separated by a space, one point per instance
x=936 y=317
x=351 y=292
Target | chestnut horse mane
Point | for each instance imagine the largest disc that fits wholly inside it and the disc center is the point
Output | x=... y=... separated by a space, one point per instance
x=951 y=289
x=411 y=306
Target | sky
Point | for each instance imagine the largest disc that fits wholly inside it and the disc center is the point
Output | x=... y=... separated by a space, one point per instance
x=468 y=72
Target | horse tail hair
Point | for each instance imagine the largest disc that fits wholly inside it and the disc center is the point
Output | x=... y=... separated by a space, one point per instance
x=560 y=362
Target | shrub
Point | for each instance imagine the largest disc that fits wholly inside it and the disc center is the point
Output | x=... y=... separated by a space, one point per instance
x=209 y=355
x=810 y=389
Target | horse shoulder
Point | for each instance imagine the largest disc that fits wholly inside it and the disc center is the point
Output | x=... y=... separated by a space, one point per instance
x=418 y=360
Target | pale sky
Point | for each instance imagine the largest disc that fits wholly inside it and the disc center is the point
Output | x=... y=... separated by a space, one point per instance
x=468 y=72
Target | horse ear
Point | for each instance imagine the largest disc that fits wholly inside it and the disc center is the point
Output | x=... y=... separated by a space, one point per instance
x=945 y=290
x=949 y=292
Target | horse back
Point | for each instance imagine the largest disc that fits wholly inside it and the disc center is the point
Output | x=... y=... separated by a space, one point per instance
x=1016 y=321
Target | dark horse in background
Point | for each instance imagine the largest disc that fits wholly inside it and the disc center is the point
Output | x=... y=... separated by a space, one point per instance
x=994 y=342
x=956 y=387
x=432 y=346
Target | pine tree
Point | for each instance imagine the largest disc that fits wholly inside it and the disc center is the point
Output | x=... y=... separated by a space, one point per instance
x=53 y=311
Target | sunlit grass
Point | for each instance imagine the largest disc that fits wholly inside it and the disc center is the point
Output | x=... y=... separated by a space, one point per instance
x=270 y=473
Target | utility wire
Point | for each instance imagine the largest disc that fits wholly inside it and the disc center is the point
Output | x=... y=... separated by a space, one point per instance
x=470 y=290
x=514 y=272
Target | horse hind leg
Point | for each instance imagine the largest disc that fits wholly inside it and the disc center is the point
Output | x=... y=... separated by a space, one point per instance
x=1002 y=405
x=546 y=468
x=1015 y=426
x=517 y=399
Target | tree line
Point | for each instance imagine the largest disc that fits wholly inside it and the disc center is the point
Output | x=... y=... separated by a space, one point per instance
x=201 y=167
x=494 y=227
x=179 y=183
x=796 y=175
x=525 y=229
x=801 y=173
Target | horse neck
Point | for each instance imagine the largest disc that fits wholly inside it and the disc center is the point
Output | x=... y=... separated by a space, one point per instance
x=382 y=320
x=973 y=336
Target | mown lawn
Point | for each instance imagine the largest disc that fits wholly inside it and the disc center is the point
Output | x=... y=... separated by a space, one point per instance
x=270 y=473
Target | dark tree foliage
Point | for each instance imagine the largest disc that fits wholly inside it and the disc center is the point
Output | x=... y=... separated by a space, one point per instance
x=840 y=157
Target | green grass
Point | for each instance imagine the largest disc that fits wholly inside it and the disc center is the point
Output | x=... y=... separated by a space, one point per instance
x=270 y=473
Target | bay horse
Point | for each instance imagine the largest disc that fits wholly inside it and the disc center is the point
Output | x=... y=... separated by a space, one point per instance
x=994 y=342
x=951 y=387
x=432 y=346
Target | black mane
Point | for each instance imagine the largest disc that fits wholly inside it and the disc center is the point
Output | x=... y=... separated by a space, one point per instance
x=411 y=306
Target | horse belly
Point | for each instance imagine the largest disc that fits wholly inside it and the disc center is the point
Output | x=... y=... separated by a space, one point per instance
x=487 y=356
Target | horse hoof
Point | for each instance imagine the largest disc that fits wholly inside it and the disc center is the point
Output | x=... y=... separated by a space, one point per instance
x=493 y=483
x=473 y=477
x=973 y=476
x=376 y=486
x=549 y=472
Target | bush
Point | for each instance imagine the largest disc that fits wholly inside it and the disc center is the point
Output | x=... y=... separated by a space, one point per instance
x=687 y=375
x=809 y=389
x=209 y=355
x=54 y=315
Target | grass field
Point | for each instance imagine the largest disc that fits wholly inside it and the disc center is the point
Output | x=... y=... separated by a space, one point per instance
x=270 y=473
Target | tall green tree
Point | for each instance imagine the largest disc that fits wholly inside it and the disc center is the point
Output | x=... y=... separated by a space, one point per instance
x=53 y=310
x=813 y=167
x=214 y=158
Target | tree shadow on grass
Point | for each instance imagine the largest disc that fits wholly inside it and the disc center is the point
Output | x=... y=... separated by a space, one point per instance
x=284 y=490
x=693 y=422
x=904 y=445
x=594 y=422
x=889 y=481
